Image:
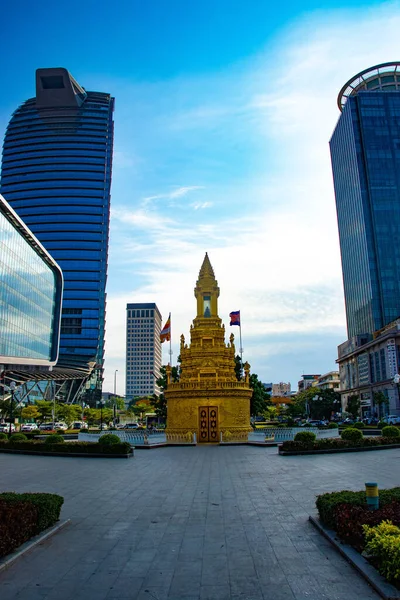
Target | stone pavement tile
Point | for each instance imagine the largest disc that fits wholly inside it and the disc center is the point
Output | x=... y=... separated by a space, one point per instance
x=149 y=593
x=215 y=547
x=214 y=570
x=184 y=586
x=305 y=587
x=136 y=568
x=215 y=592
x=277 y=591
x=127 y=586
x=158 y=578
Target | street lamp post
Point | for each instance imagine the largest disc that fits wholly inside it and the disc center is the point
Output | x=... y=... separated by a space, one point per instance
x=396 y=381
x=115 y=396
x=101 y=414
x=115 y=382
x=12 y=389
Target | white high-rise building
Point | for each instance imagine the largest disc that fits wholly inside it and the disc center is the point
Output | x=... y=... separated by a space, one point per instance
x=143 y=349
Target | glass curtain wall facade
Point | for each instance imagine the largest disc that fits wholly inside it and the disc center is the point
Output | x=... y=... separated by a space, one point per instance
x=143 y=349
x=56 y=174
x=365 y=152
x=30 y=295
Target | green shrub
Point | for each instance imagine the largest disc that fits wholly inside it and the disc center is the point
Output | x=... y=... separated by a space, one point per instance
x=383 y=543
x=305 y=436
x=109 y=439
x=350 y=518
x=17 y=525
x=381 y=424
x=3 y=436
x=327 y=503
x=358 y=425
x=333 y=425
x=36 y=513
x=391 y=431
x=54 y=438
x=291 y=422
x=351 y=434
x=70 y=448
x=18 y=437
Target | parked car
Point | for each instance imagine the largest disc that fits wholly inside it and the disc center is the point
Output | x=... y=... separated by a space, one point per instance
x=131 y=426
x=79 y=425
x=46 y=427
x=27 y=427
x=391 y=419
x=5 y=427
x=60 y=426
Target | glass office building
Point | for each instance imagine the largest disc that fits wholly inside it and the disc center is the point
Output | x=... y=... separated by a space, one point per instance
x=56 y=174
x=365 y=152
x=30 y=296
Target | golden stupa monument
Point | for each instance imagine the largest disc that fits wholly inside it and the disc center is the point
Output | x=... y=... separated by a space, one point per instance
x=208 y=400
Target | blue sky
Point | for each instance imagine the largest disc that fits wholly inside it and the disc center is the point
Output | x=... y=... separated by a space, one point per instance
x=223 y=116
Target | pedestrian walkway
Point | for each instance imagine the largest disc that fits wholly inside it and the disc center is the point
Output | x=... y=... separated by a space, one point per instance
x=197 y=523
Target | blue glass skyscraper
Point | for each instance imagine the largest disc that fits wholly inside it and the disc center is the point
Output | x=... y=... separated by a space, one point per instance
x=56 y=174
x=365 y=151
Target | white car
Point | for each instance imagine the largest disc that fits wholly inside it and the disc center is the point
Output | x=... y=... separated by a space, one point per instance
x=28 y=427
x=60 y=425
x=391 y=419
x=5 y=427
x=79 y=425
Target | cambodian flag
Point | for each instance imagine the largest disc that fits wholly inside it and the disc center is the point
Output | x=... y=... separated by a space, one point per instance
x=235 y=317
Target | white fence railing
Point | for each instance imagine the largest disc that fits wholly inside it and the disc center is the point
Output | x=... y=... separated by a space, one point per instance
x=283 y=434
x=142 y=438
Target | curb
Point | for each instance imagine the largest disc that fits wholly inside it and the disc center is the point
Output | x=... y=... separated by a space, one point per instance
x=336 y=450
x=7 y=561
x=366 y=570
x=70 y=454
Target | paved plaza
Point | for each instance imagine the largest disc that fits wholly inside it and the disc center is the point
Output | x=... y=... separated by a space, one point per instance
x=195 y=523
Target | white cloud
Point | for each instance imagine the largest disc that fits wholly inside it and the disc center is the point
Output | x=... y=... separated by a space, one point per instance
x=270 y=228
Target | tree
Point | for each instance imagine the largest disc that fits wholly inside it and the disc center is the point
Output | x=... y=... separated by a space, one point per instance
x=238 y=367
x=381 y=400
x=93 y=415
x=260 y=398
x=324 y=403
x=30 y=413
x=69 y=412
x=115 y=401
x=159 y=402
x=270 y=413
x=45 y=409
x=301 y=403
x=353 y=406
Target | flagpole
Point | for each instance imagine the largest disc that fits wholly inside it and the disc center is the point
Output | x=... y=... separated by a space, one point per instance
x=170 y=341
x=240 y=334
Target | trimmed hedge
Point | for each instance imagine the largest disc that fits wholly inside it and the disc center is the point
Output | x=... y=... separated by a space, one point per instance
x=332 y=426
x=350 y=518
x=391 y=431
x=109 y=439
x=338 y=444
x=70 y=448
x=305 y=436
x=3 y=436
x=24 y=515
x=358 y=425
x=351 y=434
x=55 y=438
x=327 y=503
x=18 y=437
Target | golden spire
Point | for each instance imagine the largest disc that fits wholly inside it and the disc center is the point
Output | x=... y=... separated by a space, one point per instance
x=206 y=270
